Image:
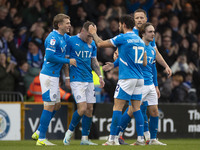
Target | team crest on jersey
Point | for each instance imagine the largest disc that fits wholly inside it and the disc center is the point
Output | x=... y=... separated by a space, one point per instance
x=53 y=42
x=152 y=52
x=4 y=123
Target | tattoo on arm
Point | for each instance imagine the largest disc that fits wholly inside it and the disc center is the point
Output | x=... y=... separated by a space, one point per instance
x=97 y=39
x=95 y=66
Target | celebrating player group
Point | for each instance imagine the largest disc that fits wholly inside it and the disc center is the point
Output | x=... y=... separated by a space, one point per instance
x=136 y=57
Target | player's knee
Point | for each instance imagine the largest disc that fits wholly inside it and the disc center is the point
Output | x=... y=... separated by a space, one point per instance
x=90 y=109
x=82 y=110
x=136 y=108
x=154 y=113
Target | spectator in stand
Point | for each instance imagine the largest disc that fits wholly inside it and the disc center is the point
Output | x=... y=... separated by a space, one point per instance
x=187 y=13
x=168 y=51
x=114 y=27
x=116 y=10
x=7 y=76
x=133 y=5
x=23 y=69
x=180 y=64
x=5 y=19
x=6 y=36
x=174 y=25
x=178 y=92
x=34 y=54
x=103 y=30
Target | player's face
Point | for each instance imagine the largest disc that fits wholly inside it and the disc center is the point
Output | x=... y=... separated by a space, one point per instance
x=149 y=33
x=139 y=18
x=65 y=26
x=87 y=37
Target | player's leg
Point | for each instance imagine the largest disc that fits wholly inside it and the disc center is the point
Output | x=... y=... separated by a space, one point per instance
x=125 y=120
x=35 y=135
x=49 y=98
x=143 y=108
x=153 y=111
x=116 y=118
x=139 y=120
x=78 y=90
x=87 y=117
x=122 y=94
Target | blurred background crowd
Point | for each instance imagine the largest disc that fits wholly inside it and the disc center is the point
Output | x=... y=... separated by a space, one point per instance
x=24 y=25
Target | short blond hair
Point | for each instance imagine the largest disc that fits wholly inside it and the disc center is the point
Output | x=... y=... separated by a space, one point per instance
x=59 y=19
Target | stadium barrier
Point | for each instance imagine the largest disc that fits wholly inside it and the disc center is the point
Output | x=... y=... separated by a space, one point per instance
x=18 y=120
x=175 y=121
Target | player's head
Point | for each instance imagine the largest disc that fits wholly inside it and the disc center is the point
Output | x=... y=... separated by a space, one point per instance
x=147 y=32
x=140 y=17
x=85 y=35
x=61 y=22
x=126 y=21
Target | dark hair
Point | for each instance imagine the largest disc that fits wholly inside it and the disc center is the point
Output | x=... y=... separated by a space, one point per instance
x=140 y=10
x=87 y=24
x=143 y=28
x=128 y=20
x=58 y=19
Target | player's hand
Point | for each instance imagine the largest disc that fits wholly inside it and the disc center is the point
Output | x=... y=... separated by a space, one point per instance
x=157 y=91
x=115 y=56
x=168 y=71
x=67 y=83
x=101 y=81
x=108 y=66
x=92 y=29
x=72 y=62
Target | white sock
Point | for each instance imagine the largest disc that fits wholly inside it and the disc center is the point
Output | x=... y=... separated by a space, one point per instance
x=147 y=135
x=38 y=132
x=84 y=138
x=111 y=138
x=140 y=138
x=120 y=134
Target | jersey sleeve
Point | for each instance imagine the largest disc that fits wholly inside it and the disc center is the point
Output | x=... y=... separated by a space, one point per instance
x=68 y=48
x=117 y=40
x=51 y=45
x=94 y=52
x=116 y=63
x=154 y=71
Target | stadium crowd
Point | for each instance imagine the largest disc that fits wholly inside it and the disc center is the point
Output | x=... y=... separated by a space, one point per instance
x=24 y=25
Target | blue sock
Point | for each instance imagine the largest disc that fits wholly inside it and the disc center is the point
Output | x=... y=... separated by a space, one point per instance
x=139 y=121
x=124 y=121
x=143 y=108
x=153 y=126
x=116 y=118
x=86 y=124
x=75 y=120
x=44 y=123
x=53 y=113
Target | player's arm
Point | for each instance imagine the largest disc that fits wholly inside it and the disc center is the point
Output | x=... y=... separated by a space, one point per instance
x=99 y=42
x=162 y=62
x=96 y=68
x=67 y=78
x=155 y=81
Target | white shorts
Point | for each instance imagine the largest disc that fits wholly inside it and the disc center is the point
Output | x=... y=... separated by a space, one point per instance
x=149 y=94
x=83 y=92
x=129 y=89
x=50 y=88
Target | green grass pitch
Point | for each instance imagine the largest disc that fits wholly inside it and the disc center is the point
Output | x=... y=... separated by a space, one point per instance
x=172 y=144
